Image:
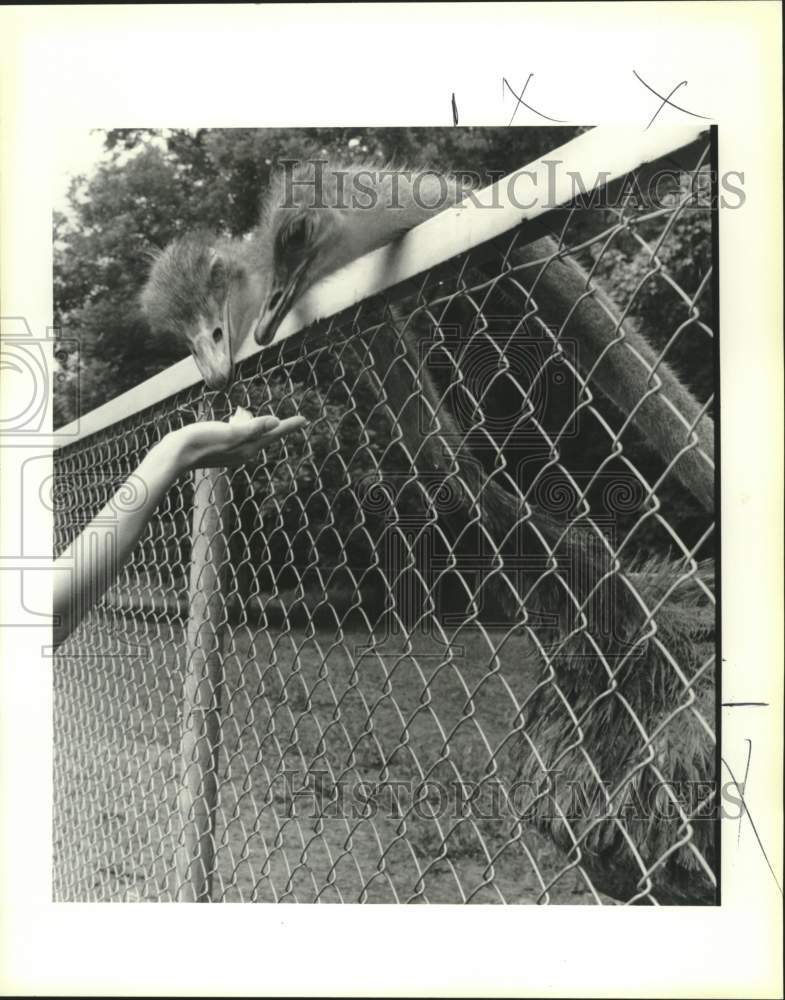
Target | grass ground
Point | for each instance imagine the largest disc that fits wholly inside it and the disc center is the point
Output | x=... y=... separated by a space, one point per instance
x=343 y=764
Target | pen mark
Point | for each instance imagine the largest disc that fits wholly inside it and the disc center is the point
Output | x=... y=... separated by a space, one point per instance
x=746 y=775
x=520 y=101
x=667 y=100
x=745 y=704
x=454 y=111
x=752 y=823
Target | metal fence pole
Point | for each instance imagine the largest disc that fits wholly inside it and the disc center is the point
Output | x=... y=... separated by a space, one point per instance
x=201 y=723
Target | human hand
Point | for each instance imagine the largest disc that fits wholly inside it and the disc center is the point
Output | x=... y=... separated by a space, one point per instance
x=211 y=443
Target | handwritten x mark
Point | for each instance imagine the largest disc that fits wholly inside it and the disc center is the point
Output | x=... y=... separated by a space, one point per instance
x=666 y=100
x=520 y=101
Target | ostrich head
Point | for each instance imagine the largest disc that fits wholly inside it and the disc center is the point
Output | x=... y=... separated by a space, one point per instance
x=190 y=294
x=320 y=216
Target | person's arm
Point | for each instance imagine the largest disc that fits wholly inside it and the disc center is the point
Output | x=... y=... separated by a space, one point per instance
x=87 y=568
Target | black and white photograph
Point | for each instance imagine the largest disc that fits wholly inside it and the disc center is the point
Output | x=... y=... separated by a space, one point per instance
x=391 y=499
x=414 y=602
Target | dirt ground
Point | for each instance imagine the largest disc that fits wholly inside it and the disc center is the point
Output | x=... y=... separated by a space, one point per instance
x=351 y=769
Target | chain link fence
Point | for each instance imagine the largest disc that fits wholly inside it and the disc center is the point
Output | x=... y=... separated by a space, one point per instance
x=335 y=677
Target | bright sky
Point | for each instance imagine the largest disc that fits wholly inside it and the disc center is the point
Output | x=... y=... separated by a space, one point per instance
x=76 y=151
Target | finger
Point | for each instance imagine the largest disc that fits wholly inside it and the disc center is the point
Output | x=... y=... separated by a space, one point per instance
x=285 y=427
x=250 y=449
x=250 y=430
x=260 y=425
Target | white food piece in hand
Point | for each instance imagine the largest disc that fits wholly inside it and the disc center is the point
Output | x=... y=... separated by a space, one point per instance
x=240 y=416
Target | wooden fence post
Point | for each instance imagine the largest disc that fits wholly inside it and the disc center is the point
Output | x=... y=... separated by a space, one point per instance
x=201 y=722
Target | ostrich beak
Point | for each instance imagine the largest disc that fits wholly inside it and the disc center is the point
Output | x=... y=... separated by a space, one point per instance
x=212 y=350
x=278 y=303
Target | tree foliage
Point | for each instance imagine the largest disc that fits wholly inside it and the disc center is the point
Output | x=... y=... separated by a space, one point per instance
x=152 y=185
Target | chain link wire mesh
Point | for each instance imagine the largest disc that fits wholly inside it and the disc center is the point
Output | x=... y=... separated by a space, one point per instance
x=386 y=728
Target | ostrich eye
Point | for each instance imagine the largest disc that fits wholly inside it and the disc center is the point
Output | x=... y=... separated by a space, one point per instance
x=216 y=281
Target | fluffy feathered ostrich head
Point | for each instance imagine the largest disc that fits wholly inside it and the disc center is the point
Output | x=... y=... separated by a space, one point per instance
x=320 y=215
x=212 y=293
x=205 y=291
